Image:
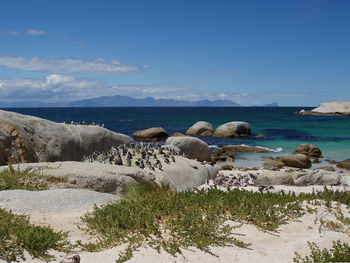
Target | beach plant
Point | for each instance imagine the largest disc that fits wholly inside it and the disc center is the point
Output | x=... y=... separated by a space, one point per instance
x=17 y=235
x=340 y=252
x=27 y=179
x=169 y=220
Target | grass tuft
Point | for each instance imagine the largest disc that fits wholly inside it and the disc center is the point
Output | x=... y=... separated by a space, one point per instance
x=18 y=234
x=27 y=179
x=169 y=220
x=340 y=252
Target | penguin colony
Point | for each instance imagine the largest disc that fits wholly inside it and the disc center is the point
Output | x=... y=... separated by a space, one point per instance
x=139 y=155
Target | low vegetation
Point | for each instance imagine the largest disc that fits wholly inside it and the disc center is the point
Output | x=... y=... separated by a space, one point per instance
x=164 y=219
x=18 y=234
x=27 y=179
x=169 y=220
x=340 y=252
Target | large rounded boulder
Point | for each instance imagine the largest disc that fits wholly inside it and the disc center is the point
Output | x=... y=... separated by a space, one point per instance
x=295 y=160
x=192 y=147
x=201 y=128
x=151 y=135
x=26 y=138
x=309 y=150
x=233 y=129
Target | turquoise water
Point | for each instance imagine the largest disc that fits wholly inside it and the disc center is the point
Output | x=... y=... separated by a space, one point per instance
x=283 y=129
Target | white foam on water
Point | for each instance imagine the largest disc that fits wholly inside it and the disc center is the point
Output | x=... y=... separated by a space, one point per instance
x=214 y=148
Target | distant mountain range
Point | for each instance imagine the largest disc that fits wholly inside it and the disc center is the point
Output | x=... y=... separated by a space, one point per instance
x=124 y=101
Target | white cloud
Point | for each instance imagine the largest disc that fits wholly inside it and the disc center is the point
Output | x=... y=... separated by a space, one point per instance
x=55 y=79
x=63 y=88
x=10 y=32
x=69 y=65
x=177 y=90
x=34 y=32
x=52 y=88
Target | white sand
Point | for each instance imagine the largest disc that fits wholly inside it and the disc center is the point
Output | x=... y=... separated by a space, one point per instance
x=266 y=247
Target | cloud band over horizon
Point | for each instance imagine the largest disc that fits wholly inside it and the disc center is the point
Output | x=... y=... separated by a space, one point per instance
x=98 y=66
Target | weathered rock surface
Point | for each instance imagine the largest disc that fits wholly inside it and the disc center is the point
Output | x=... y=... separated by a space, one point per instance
x=273 y=178
x=295 y=160
x=272 y=164
x=178 y=134
x=185 y=174
x=327 y=168
x=309 y=150
x=25 y=138
x=319 y=177
x=192 y=147
x=107 y=178
x=201 y=128
x=95 y=176
x=330 y=108
x=56 y=200
x=344 y=164
x=233 y=129
x=151 y=135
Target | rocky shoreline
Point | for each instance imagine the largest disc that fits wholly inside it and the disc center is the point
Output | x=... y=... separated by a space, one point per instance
x=96 y=166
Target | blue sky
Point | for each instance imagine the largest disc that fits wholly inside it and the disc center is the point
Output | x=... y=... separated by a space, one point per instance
x=294 y=52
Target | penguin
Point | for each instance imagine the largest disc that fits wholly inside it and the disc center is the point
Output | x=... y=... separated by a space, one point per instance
x=142 y=165
x=159 y=166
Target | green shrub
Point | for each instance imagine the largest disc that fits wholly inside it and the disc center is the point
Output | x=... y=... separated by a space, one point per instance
x=173 y=220
x=340 y=252
x=18 y=234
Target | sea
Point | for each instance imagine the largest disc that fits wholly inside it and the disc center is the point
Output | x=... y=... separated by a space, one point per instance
x=283 y=129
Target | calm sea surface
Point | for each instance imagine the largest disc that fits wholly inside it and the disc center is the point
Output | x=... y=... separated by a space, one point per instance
x=283 y=129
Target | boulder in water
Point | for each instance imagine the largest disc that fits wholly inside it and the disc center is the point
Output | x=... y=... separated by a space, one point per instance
x=309 y=150
x=200 y=128
x=233 y=129
x=151 y=135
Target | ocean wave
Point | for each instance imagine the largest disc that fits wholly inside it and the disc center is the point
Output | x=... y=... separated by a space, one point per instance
x=277 y=150
x=126 y=120
x=214 y=148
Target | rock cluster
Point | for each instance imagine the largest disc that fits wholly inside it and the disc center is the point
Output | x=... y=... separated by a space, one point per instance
x=265 y=178
x=227 y=130
x=299 y=159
